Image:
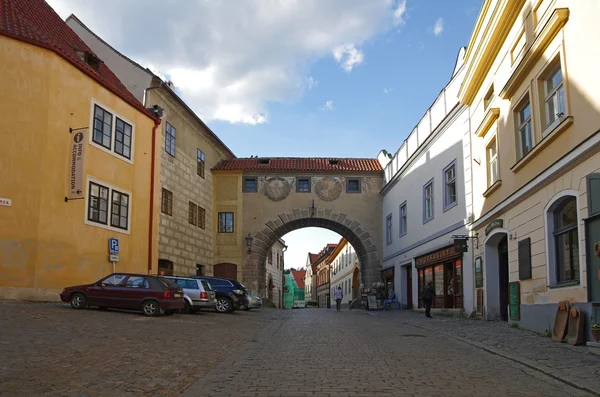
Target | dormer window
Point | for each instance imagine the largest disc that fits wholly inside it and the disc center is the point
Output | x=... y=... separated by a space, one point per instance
x=92 y=60
x=333 y=162
x=263 y=161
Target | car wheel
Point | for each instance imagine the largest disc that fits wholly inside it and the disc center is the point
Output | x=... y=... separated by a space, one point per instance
x=150 y=308
x=187 y=309
x=224 y=305
x=78 y=301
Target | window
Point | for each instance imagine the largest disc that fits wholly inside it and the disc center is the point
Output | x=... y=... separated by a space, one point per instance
x=428 y=202
x=166 y=203
x=170 y=139
x=566 y=240
x=403 y=219
x=488 y=97
x=120 y=210
x=555 y=97
x=137 y=282
x=102 y=127
x=200 y=164
x=123 y=138
x=165 y=267
x=192 y=213
x=225 y=222
x=303 y=185
x=98 y=204
x=492 y=160
x=525 y=130
x=388 y=229
x=450 y=199
x=353 y=186
x=201 y=218
x=250 y=184
x=114 y=280
x=200 y=272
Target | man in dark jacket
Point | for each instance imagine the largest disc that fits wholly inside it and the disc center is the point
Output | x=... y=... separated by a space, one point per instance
x=428 y=295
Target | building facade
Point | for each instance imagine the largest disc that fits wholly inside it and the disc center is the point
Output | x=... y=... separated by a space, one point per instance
x=310 y=280
x=323 y=275
x=534 y=97
x=189 y=149
x=274 y=276
x=294 y=289
x=344 y=268
x=426 y=201
x=84 y=145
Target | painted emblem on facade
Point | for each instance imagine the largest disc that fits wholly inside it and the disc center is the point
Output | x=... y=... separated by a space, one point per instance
x=328 y=188
x=277 y=188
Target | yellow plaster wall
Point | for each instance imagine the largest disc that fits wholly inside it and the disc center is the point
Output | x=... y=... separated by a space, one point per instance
x=44 y=243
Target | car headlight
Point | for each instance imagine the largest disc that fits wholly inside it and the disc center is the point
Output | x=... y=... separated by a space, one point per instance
x=238 y=292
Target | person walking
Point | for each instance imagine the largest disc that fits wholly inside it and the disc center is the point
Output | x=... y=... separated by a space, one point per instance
x=339 y=294
x=428 y=295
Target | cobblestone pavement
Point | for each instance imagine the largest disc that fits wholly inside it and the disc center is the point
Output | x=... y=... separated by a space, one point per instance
x=51 y=350
x=572 y=364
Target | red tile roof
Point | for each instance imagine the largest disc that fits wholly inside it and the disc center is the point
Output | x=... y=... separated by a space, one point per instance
x=36 y=23
x=313 y=258
x=300 y=164
x=299 y=277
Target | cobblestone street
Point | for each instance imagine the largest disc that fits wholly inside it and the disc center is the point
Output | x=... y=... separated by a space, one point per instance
x=52 y=350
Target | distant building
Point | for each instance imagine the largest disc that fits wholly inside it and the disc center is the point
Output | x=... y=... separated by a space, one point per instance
x=344 y=270
x=310 y=279
x=274 y=265
x=294 y=288
x=322 y=272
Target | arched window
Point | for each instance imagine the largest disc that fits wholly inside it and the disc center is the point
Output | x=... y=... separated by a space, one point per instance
x=563 y=241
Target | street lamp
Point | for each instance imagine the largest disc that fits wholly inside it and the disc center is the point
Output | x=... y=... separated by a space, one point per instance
x=249 y=240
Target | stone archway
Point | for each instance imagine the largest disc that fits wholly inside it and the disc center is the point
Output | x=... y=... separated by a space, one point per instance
x=254 y=269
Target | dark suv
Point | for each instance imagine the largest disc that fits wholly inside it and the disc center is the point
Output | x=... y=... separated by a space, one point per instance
x=231 y=294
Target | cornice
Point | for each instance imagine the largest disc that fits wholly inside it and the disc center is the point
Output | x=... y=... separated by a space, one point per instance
x=491 y=116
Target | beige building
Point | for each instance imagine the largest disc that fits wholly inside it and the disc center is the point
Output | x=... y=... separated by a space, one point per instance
x=189 y=149
x=533 y=93
x=274 y=273
x=344 y=272
x=310 y=280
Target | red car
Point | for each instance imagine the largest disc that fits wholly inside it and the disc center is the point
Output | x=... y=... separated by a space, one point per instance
x=150 y=294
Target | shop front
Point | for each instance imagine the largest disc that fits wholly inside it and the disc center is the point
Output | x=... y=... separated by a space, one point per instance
x=444 y=269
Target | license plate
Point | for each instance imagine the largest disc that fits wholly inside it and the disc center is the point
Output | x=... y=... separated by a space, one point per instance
x=178 y=295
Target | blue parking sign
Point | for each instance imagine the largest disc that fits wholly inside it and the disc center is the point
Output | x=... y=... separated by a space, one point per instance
x=113 y=246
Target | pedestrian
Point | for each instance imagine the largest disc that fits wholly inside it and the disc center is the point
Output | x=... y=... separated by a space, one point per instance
x=428 y=295
x=391 y=299
x=339 y=294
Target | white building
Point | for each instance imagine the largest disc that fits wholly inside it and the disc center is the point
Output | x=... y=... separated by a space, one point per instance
x=426 y=201
x=274 y=265
x=344 y=270
x=310 y=282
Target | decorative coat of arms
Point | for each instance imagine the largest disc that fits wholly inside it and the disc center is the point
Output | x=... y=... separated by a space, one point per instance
x=277 y=188
x=328 y=188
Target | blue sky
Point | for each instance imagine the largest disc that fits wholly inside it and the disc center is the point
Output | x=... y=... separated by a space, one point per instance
x=294 y=78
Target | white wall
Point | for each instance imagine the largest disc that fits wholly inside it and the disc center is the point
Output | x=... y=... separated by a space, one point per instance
x=342 y=268
x=275 y=270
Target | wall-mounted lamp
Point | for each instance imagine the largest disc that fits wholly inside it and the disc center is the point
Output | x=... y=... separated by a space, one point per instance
x=249 y=240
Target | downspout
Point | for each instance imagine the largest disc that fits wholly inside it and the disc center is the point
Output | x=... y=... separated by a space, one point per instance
x=152 y=166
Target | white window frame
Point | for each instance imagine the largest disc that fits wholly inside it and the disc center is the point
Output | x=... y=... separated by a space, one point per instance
x=113 y=136
x=388 y=229
x=432 y=197
x=553 y=96
x=109 y=214
x=550 y=245
x=403 y=226
x=449 y=205
x=493 y=160
x=524 y=124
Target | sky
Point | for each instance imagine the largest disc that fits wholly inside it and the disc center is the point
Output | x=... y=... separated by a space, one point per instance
x=294 y=78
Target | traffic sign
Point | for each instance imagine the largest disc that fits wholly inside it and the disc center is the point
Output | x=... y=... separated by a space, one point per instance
x=113 y=258
x=113 y=246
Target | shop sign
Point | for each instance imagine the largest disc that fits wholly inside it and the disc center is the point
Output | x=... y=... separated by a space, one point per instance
x=435 y=257
x=478 y=272
x=494 y=225
x=76 y=164
x=5 y=202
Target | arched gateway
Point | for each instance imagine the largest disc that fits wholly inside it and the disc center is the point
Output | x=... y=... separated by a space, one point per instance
x=266 y=198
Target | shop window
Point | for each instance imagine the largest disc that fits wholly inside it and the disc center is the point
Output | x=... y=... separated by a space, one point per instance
x=563 y=240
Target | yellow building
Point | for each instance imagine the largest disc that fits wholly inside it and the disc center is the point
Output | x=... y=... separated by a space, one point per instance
x=76 y=160
x=533 y=93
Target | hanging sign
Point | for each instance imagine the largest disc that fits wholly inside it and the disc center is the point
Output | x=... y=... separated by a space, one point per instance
x=76 y=163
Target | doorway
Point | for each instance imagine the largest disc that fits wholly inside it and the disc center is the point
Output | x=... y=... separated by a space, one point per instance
x=226 y=270
x=409 y=289
x=496 y=276
x=503 y=277
x=449 y=287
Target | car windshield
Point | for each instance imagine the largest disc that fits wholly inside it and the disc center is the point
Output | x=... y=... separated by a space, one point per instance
x=206 y=285
x=168 y=283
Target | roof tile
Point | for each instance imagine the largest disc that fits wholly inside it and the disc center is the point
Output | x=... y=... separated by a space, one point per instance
x=300 y=164
x=35 y=22
x=299 y=277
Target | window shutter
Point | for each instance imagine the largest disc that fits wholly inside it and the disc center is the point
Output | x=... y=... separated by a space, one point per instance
x=525 y=259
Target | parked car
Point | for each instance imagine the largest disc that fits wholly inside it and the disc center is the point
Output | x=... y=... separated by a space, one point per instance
x=198 y=294
x=231 y=294
x=254 y=302
x=151 y=295
x=311 y=304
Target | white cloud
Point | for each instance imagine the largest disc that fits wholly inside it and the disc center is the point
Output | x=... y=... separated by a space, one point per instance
x=229 y=61
x=439 y=27
x=327 y=107
x=348 y=56
x=311 y=82
x=399 y=13
x=387 y=90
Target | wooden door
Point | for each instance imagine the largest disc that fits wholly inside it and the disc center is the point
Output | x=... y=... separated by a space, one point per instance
x=226 y=270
